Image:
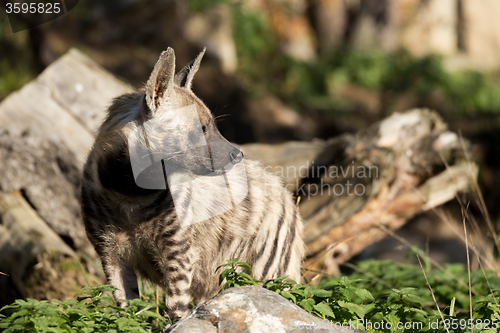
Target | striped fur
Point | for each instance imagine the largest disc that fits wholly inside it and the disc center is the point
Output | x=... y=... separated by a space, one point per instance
x=137 y=231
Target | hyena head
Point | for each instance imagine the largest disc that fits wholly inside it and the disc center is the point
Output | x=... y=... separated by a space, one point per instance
x=164 y=130
x=178 y=130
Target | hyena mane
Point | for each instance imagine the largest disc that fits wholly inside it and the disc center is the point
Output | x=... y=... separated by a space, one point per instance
x=138 y=229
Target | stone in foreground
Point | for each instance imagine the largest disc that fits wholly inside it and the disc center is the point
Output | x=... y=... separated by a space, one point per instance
x=251 y=309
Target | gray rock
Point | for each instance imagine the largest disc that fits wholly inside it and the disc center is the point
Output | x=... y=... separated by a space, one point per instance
x=251 y=309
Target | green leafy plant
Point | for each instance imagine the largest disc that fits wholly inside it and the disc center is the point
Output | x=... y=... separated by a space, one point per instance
x=394 y=298
x=234 y=278
x=90 y=311
x=379 y=296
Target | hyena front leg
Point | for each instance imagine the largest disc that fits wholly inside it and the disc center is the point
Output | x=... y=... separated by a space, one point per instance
x=179 y=275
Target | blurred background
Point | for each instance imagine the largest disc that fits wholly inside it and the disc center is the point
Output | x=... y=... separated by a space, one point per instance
x=280 y=70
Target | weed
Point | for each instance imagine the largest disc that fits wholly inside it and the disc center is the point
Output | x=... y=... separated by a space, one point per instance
x=93 y=310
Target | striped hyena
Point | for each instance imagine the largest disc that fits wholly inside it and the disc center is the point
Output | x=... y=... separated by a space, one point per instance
x=141 y=215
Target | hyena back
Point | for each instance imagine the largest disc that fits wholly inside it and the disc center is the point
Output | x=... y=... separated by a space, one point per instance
x=137 y=230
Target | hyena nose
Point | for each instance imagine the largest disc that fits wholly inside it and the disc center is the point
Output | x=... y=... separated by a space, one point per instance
x=236 y=156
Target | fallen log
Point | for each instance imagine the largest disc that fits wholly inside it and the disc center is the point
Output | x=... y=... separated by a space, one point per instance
x=354 y=185
x=40 y=264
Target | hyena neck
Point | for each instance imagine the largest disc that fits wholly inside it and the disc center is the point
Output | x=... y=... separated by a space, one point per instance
x=116 y=177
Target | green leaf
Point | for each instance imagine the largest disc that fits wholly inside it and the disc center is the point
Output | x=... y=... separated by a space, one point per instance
x=452 y=307
x=224 y=274
x=393 y=319
x=307 y=291
x=151 y=314
x=322 y=293
x=365 y=294
x=289 y=296
x=248 y=277
x=245 y=266
x=325 y=309
x=359 y=310
x=307 y=304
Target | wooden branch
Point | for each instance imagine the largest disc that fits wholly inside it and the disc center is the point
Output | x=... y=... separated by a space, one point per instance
x=40 y=264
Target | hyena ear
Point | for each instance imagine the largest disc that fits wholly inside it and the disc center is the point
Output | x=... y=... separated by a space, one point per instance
x=185 y=77
x=161 y=80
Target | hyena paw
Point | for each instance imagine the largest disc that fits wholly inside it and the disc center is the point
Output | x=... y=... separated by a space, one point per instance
x=172 y=320
x=121 y=304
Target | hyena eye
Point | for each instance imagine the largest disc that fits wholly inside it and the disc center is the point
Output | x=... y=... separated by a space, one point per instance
x=204 y=129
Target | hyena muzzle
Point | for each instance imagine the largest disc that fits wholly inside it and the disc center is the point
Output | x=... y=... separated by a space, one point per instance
x=165 y=196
